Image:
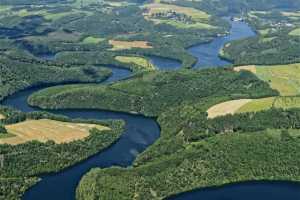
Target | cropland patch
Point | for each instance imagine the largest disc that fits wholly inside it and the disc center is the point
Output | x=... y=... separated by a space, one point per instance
x=178 y=16
x=295 y=32
x=44 y=130
x=225 y=108
x=251 y=68
x=257 y=105
x=284 y=78
x=121 y=45
x=92 y=40
x=137 y=61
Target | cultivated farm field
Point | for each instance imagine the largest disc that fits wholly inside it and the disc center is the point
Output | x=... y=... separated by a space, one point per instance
x=283 y=78
x=44 y=130
x=122 y=45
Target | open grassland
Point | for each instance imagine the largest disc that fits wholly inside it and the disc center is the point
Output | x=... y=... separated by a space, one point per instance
x=284 y=78
x=257 y=105
x=272 y=102
x=181 y=25
x=122 y=45
x=295 y=32
x=137 y=61
x=243 y=106
x=253 y=105
x=225 y=108
x=92 y=40
x=44 y=130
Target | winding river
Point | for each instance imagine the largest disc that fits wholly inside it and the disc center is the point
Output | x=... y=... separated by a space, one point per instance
x=208 y=54
x=140 y=132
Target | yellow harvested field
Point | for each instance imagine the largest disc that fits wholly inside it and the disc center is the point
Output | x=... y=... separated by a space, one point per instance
x=251 y=68
x=225 y=108
x=121 y=45
x=44 y=130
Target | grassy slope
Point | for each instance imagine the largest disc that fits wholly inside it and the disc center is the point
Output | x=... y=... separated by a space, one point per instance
x=140 y=62
x=283 y=78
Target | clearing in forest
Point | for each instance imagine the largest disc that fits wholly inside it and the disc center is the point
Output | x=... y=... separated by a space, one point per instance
x=295 y=32
x=44 y=130
x=92 y=40
x=225 y=108
x=141 y=62
x=251 y=68
x=283 y=78
x=122 y=45
x=178 y=16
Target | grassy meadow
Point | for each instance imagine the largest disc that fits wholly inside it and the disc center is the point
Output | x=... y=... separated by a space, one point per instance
x=283 y=78
x=140 y=62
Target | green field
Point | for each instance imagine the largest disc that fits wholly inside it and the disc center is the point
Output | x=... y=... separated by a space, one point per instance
x=284 y=78
x=272 y=102
x=295 y=32
x=257 y=105
x=140 y=62
x=92 y=40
